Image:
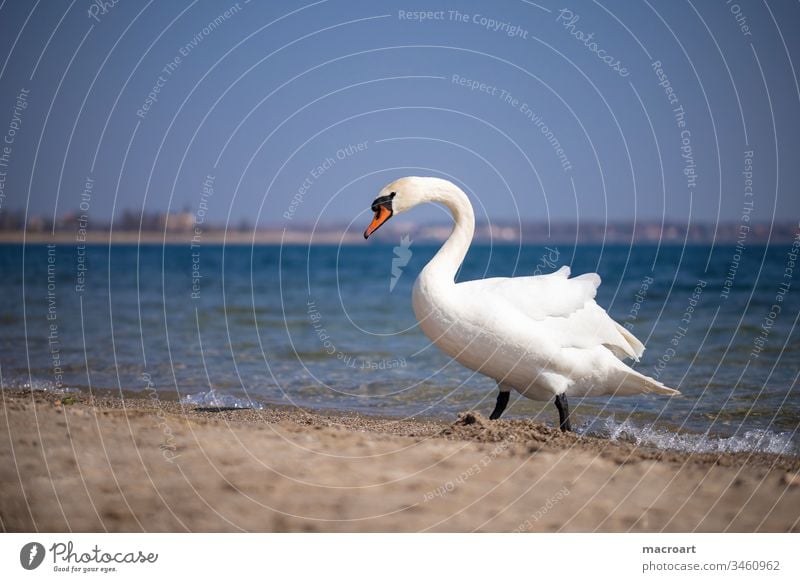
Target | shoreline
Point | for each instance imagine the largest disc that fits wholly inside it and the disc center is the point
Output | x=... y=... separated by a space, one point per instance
x=72 y=462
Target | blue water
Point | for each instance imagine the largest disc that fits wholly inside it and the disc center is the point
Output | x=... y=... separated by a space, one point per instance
x=326 y=327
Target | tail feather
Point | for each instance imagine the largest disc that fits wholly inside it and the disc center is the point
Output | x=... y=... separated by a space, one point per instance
x=633 y=382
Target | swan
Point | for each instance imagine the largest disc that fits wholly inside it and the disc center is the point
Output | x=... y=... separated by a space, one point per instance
x=543 y=336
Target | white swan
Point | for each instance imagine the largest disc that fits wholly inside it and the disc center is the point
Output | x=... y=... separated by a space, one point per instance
x=543 y=336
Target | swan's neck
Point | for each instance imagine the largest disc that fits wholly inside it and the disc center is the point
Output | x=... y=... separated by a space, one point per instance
x=446 y=262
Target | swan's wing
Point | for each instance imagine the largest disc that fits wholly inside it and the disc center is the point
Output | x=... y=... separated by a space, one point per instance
x=560 y=308
x=540 y=296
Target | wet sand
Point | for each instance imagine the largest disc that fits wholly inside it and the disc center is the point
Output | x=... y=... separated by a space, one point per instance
x=76 y=463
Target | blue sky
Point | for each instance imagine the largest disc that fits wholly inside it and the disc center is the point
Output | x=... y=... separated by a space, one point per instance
x=536 y=113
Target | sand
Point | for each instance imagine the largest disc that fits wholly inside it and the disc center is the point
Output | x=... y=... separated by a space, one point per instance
x=106 y=464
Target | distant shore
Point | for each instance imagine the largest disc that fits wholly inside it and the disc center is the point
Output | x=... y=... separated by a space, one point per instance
x=70 y=462
x=178 y=238
x=534 y=233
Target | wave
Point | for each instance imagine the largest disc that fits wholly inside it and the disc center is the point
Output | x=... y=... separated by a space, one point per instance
x=37 y=385
x=216 y=399
x=751 y=441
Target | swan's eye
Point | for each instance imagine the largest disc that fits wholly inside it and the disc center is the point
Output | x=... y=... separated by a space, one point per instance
x=383 y=201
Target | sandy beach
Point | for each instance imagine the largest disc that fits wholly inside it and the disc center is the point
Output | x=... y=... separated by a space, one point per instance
x=77 y=463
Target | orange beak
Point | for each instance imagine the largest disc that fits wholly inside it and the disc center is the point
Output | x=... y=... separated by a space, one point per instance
x=382 y=214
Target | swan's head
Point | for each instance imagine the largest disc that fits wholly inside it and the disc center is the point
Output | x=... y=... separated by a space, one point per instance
x=397 y=197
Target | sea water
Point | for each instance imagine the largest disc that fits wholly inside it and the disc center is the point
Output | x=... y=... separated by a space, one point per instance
x=331 y=327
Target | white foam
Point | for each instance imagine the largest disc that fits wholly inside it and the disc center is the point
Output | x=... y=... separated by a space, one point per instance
x=36 y=385
x=751 y=441
x=216 y=399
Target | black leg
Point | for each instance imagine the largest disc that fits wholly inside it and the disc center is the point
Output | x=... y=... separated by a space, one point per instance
x=563 y=413
x=502 y=402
